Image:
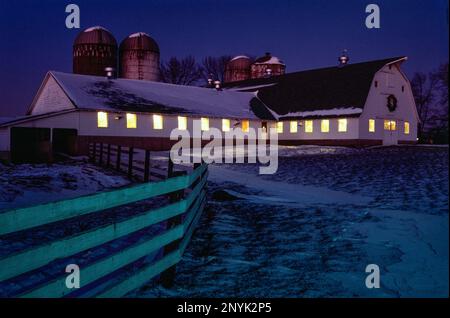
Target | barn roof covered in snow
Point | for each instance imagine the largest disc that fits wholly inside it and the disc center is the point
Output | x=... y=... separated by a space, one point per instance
x=100 y=93
x=331 y=91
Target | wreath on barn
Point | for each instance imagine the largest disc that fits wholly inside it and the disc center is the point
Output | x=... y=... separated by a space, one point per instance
x=392 y=103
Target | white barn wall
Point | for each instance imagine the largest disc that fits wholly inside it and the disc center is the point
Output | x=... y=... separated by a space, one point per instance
x=50 y=98
x=390 y=81
x=68 y=120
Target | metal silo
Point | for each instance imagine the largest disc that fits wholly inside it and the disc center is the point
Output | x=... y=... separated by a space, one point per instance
x=139 y=57
x=238 y=69
x=267 y=66
x=94 y=50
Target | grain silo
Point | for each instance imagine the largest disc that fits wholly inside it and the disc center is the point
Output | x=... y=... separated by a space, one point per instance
x=139 y=57
x=238 y=69
x=267 y=66
x=94 y=50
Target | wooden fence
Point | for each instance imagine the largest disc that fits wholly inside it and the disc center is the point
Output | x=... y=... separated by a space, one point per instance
x=178 y=218
x=126 y=160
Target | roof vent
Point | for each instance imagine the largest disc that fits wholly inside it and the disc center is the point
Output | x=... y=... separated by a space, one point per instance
x=217 y=85
x=343 y=59
x=210 y=80
x=110 y=73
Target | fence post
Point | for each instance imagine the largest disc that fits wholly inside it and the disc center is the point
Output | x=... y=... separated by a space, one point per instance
x=147 y=166
x=167 y=277
x=100 y=160
x=94 y=149
x=130 y=162
x=170 y=169
x=119 y=155
x=108 y=156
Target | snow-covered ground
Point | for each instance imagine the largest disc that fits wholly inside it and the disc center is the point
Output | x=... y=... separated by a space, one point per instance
x=307 y=231
x=25 y=185
x=30 y=184
x=311 y=229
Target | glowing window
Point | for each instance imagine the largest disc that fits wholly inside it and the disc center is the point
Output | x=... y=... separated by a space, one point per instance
x=182 y=123
x=293 y=126
x=390 y=125
x=342 y=125
x=406 y=128
x=393 y=125
x=131 y=121
x=325 y=126
x=371 y=125
x=245 y=125
x=308 y=126
x=204 y=123
x=157 y=122
x=102 y=120
x=225 y=125
x=280 y=127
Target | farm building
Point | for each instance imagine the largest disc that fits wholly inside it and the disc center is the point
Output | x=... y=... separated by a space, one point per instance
x=242 y=67
x=368 y=103
x=359 y=104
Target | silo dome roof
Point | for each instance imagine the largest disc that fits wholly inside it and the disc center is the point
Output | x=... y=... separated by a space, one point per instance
x=268 y=59
x=240 y=61
x=239 y=57
x=139 y=41
x=95 y=35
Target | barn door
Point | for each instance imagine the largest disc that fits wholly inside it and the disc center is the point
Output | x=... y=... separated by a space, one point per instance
x=29 y=144
x=64 y=141
x=390 y=132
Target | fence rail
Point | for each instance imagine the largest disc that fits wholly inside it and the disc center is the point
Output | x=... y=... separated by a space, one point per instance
x=178 y=218
x=126 y=160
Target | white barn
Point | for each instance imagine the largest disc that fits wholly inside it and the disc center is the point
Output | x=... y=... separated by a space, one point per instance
x=359 y=104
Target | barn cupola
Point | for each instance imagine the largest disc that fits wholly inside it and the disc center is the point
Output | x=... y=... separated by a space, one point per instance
x=343 y=59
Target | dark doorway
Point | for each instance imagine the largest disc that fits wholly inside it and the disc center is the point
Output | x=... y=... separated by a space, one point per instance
x=65 y=141
x=30 y=145
x=264 y=126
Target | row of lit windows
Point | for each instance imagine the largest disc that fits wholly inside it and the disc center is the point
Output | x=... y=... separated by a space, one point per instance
x=131 y=122
x=391 y=125
x=309 y=126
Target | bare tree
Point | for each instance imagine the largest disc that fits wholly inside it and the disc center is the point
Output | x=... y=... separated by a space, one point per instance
x=424 y=89
x=442 y=77
x=439 y=119
x=214 y=67
x=182 y=72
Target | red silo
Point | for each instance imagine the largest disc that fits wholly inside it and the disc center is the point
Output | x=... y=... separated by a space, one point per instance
x=139 y=57
x=94 y=50
x=267 y=66
x=238 y=69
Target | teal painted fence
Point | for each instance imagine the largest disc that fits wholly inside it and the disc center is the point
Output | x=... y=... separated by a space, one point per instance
x=188 y=198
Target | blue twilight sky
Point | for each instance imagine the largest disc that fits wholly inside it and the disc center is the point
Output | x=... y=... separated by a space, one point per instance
x=304 y=33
